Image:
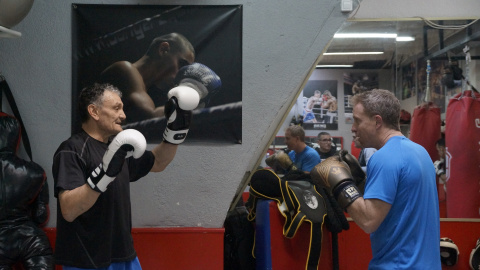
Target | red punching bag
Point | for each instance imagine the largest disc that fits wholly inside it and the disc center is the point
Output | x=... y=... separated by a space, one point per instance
x=462 y=141
x=355 y=151
x=425 y=127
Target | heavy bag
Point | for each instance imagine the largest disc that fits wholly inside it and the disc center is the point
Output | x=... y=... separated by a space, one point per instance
x=462 y=141
x=425 y=127
x=355 y=150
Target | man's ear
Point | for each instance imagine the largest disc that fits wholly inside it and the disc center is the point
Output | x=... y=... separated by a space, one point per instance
x=93 y=111
x=164 y=48
x=378 y=121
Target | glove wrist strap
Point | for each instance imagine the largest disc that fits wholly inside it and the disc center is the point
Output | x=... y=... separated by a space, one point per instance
x=346 y=194
x=174 y=136
x=98 y=180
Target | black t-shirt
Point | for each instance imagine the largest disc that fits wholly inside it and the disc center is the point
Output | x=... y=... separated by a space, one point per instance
x=102 y=235
x=323 y=155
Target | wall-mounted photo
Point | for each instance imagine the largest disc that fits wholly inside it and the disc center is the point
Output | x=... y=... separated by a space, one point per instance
x=319 y=105
x=355 y=83
x=146 y=50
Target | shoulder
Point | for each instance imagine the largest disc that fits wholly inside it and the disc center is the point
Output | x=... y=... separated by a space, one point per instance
x=119 y=67
x=122 y=74
x=77 y=144
x=311 y=152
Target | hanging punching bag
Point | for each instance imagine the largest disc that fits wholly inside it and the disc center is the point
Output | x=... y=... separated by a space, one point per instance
x=425 y=126
x=462 y=141
x=355 y=151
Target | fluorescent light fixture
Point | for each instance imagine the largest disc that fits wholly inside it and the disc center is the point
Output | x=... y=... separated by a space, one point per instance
x=373 y=35
x=366 y=35
x=405 y=38
x=334 y=66
x=350 y=53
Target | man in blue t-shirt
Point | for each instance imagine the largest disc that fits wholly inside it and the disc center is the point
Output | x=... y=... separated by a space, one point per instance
x=399 y=208
x=303 y=156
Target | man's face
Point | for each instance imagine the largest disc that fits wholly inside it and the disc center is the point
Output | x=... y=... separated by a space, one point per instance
x=172 y=63
x=110 y=114
x=363 y=127
x=325 y=143
x=290 y=140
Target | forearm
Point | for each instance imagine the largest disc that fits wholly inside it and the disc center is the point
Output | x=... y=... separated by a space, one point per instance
x=164 y=154
x=77 y=201
x=159 y=111
x=368 y=214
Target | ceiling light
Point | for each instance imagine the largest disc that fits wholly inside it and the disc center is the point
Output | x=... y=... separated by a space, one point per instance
x=334 y=66
x=374 y=35
x=365 y=35
x=350 y=53
x=405 y=38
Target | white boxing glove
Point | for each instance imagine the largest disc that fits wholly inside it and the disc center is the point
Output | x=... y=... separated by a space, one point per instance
x=127 y=143
x=178 y=110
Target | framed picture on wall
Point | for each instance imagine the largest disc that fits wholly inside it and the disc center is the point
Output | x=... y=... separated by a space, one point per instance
x=107 y=49
x=355 y=83
x=320 y=105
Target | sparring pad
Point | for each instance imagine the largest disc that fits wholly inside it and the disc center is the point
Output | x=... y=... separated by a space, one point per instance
x=462 y=133
x=425 y=127
x=298 y=201
x=448 y=251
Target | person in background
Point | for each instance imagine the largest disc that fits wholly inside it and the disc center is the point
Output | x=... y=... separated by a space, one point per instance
x=440 y=164
x=303 y=156
x=365 y=154
x=325 y=149
x=399 y=208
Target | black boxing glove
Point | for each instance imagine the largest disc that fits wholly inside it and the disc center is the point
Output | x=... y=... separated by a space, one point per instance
x=334 y=175
x=201 y=78
x=178 y=110
x=127 y=143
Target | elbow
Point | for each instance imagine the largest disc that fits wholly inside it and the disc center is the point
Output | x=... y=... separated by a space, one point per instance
x=159 y=166
x=68 y=216
x=368 y=227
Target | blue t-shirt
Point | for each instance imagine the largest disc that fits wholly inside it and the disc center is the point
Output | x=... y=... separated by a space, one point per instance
x=402 y=174
x=305 y=160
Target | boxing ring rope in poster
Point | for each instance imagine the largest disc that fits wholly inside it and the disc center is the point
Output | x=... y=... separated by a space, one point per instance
x=215 y=33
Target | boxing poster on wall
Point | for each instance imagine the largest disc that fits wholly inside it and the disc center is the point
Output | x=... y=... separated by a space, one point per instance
x=356 y=83
x=126 y=53
x=320 y=106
